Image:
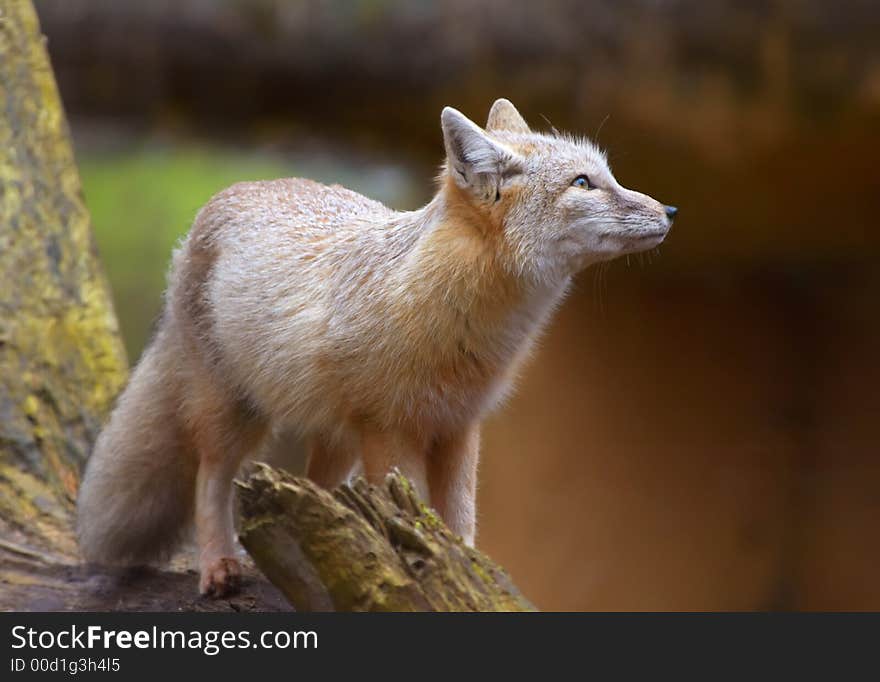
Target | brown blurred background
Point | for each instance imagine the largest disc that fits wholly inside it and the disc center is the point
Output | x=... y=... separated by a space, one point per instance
x=697 y=430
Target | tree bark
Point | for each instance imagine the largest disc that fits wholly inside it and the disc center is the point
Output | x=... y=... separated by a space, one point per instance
x=362 y=548
x=61 y=358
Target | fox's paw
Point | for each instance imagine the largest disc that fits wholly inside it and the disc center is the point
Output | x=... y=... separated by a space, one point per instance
x=220 y=577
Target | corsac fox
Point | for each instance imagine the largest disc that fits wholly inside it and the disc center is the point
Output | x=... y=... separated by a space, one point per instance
x=382 y=337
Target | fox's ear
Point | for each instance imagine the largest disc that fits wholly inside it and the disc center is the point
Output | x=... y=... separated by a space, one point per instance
x=476 y=162
x=504 y=116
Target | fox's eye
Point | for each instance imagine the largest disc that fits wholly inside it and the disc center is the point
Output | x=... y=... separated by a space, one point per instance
x=583 y=181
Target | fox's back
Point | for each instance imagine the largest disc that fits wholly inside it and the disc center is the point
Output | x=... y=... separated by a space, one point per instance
x=270 y=230
x=262 y=273
x=297 y=206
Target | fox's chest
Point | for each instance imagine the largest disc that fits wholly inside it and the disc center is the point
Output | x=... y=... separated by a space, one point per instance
x=446 y=383
x=443 y=366
x=462 y=373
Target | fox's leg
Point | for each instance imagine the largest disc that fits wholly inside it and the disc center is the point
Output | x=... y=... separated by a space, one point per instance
x=383 y=450
x=452 y=478
x=222 y=435
x=330 y=463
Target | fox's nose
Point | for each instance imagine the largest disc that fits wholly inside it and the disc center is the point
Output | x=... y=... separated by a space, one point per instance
x=670 y=212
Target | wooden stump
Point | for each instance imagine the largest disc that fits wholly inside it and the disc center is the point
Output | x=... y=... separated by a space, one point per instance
x=363 y=548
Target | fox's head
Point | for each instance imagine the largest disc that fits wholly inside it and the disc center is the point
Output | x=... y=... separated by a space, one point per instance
x=552 y=196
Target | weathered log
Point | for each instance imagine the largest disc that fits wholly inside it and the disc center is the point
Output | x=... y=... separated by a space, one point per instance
x=364 y=548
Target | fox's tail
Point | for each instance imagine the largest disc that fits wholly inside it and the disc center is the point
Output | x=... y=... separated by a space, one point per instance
x=136 y=498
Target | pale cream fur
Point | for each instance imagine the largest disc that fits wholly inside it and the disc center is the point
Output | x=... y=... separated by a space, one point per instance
x=383 y=337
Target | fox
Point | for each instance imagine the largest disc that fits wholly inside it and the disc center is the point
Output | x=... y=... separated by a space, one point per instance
x=383 y=338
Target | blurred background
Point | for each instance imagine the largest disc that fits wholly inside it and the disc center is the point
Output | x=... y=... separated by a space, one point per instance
x=698 y=428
